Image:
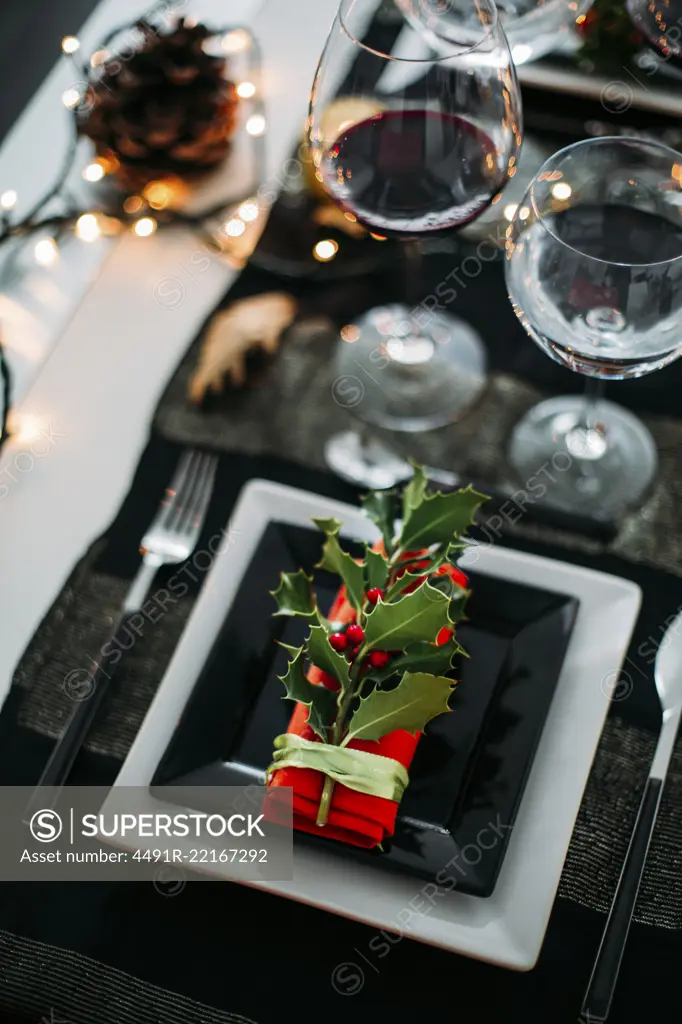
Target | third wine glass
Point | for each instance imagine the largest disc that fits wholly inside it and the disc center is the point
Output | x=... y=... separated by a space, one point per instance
x=594 y=272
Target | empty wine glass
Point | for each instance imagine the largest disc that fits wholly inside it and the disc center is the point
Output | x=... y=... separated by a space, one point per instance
x=411 y=139
x=594 y=273
x=533 y=27
x=660 y=22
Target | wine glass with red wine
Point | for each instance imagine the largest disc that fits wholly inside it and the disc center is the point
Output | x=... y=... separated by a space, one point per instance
x=412 y=135
x=594 y=273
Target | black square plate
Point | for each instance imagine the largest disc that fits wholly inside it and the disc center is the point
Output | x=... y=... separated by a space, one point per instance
x=469 y=773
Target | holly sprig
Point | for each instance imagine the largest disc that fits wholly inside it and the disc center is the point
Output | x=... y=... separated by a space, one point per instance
x=407 y=604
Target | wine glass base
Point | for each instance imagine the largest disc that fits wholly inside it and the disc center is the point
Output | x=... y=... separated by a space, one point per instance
x=600 y=472
x=367 y=464
x=409 y=374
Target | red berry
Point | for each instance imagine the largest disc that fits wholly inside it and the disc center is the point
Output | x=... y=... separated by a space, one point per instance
x=355 y=635
x=379 y=659
x=338 y=641
x=352 y=654
x=455 y=574
x=444 y=636
x=374 y=594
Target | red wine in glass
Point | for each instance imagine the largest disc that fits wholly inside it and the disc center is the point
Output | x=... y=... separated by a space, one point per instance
x=410 y=172
x=412 y=133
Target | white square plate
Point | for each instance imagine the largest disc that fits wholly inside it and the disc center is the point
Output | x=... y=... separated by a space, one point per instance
x=507 y=928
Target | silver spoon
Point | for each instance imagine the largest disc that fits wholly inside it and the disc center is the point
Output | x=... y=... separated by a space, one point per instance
x=668 y=677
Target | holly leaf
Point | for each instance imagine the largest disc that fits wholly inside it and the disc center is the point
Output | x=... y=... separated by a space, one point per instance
x=458 y=595
x=320 y=701
x=413 y=495
x=380 y=506
x=376 y=569
x=294 y=595
x=458 y=604
x=418 y=697
x=440 y=517
x=322 y=654
x=329 y=526
x=338 y=561
x=416 y=616
x=405 y=580
x=421 y=656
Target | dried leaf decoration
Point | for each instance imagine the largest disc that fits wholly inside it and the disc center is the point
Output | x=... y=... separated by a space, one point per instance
x=254 y=323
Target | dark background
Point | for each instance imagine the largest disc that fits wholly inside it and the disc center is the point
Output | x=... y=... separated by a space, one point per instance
x=30 y=35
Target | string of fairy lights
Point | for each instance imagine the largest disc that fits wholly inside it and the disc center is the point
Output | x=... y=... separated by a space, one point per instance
x=139 y=213
x=159 y=203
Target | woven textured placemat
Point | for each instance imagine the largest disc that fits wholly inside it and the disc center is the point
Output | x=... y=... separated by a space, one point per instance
x=293 y=413
x=78 y=622
x=48 y=985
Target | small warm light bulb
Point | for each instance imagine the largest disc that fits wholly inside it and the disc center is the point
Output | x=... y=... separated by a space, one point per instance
x=145 y=227
x=98 y=57
x=93 y=172
x=246 y=90
x=46 y=252
x=24 y=427
x=326 y=250
x=109 y=225
x=255 y=125
x=71 y=98
x=524 y=213
x=234 y=228
x=562 y=190
x=133 y=204
x=235 y=41
x=509 y=210
x=350 y=333
x=87 y=228
x=248 y=211
x=158 y=194
x=8 y=199
x=70 y=44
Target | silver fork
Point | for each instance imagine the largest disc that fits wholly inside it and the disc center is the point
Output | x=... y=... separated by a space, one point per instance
x=170 y=539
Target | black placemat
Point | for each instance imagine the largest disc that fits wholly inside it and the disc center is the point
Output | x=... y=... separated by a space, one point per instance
x=210 y=941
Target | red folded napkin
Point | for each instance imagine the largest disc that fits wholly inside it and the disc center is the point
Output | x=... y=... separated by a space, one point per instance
x=356 y=818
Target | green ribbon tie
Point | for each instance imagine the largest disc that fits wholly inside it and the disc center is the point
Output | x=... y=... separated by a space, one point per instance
x=358 y=769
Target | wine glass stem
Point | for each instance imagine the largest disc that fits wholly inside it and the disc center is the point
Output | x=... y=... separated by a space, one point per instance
x=586 y=440
x=413 y=265
x=417 y=347
x=593 y=394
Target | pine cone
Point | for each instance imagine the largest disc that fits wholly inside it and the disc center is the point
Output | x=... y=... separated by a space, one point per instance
x=167 y=110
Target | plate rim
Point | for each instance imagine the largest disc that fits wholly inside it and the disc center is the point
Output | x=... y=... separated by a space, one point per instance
x=230 y=768
x=501 y=928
